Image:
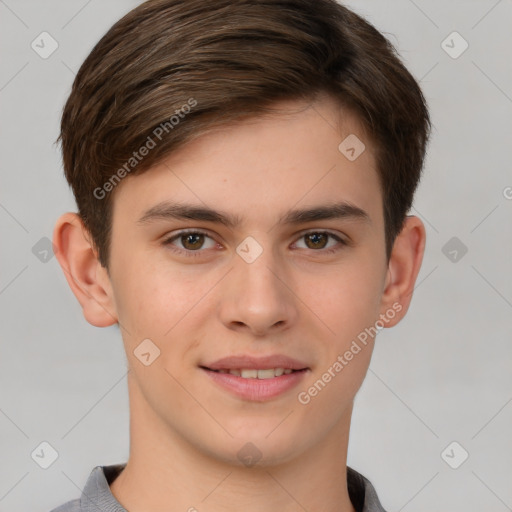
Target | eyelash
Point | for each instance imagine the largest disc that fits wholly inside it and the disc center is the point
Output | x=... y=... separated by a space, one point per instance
x=191 y=254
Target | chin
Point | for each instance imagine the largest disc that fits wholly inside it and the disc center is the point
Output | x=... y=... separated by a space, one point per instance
x=254 y=450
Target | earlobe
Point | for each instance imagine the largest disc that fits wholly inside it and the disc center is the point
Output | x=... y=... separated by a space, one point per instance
x=403 y=268
x=86 y=277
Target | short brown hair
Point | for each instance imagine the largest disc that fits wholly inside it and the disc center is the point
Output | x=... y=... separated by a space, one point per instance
x=226 y=60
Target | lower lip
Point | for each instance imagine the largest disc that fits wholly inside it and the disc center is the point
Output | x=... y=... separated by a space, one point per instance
x=256 y=390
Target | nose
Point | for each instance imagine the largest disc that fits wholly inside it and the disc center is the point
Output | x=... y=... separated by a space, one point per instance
x=257 y=297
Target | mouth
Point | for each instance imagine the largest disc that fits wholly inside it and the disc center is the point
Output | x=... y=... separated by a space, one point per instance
x=253 y=373
x=256 y=379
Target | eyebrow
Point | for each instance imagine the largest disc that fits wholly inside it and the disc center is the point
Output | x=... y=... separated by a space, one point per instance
x=179 y=211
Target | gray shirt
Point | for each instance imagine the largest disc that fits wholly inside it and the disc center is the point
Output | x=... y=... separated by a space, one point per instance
x=96 y=496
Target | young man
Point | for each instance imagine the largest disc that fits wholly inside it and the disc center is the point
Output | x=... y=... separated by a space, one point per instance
x=243 y=170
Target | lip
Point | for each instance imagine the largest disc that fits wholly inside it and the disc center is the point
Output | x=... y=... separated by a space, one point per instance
x=257 y=390
x=256 y=363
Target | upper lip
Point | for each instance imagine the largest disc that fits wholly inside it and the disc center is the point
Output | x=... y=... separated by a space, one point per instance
x=256 y=363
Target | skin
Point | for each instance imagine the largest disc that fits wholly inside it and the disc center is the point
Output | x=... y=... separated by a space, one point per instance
x=294 y=299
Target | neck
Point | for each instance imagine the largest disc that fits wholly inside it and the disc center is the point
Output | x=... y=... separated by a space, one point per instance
x=165 y=472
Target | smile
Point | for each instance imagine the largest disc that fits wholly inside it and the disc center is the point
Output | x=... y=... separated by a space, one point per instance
x=269 y=373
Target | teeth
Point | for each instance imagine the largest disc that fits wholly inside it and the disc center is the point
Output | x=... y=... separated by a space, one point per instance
x=265 y=374
x=269 y=373
x=249 y=374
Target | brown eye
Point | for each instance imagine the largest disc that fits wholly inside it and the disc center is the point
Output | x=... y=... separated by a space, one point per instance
x=192 y=241
x=317 y=240
x=320 y=240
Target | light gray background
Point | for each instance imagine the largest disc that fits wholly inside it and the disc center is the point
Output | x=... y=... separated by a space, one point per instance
x=442 y=375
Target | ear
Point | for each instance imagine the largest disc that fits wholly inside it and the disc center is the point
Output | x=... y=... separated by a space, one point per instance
x=88 y=280
x=403 y=268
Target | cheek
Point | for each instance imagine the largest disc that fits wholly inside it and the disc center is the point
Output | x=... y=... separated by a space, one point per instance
x=348 y=300
x=350 y=308
x=159 y=304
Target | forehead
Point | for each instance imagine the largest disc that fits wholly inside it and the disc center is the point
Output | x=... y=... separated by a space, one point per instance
x=261 y=168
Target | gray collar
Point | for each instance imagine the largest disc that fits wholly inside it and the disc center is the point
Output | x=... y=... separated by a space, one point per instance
x=97 y=497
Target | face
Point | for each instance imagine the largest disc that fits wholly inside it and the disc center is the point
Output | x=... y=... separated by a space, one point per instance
x=245 y=275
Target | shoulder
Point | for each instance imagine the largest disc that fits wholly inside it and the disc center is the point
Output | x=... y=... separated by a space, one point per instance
x=69 y=506
x=362 y=493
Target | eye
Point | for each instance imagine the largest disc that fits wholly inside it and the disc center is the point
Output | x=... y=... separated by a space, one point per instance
x=317 y=240
x=191 y=241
